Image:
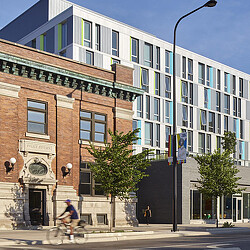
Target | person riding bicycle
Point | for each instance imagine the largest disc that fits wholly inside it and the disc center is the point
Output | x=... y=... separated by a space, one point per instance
x=71 y=218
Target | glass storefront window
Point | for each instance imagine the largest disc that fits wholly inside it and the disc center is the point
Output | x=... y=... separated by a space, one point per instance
x=227 y=207
x=246 y=209
x=208 y=208
x=196 y=205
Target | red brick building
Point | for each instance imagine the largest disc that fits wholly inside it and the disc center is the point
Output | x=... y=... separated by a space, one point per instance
x=50 y=108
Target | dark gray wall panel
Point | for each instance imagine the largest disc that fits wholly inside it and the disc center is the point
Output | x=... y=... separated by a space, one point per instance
x=50 y=40
x=195 y=94
x=179 y=116
x=230 y=124
x=70 y=30
x=154 y=56
x=141 y=52
x=162 y=85
x=248 y=110
x=82 y=55
x=137 y=76
x=178 y=65
x=214 y=77
x=151 y=108
x=245 y=88
x=213 y=99
x=30 y=20
x=98 y=60
x=77 y=30
x=198 y=119
x=105 y=39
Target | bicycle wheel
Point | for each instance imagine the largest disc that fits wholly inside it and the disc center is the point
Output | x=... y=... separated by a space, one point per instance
x=80 y=235
x=55 y=236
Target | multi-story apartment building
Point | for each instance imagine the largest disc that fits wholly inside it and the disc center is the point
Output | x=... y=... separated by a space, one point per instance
x=211 y=97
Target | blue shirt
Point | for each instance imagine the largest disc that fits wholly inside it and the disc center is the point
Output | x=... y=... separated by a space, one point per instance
x=74 y=214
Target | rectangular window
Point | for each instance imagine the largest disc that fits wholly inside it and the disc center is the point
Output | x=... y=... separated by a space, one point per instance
x=218 y=142
x=203 y=120
x=115 y=43
x=191 y=117
x=167 y=111
x=208 y=75
x=148 y=55
x=201 y=74
x=205 y=98
x=147 y=107
x=87 y=37
x=234 y=126
x=201 y=144
x=219 y=124
x=184 y=92
x=234 y=85
x=240 y=149
x=211 y=122
x=167 y=133
x=184 y=116
x=157 y=134
x=184 y=67
x=156 y=109
x=139 y=106
x=241 y=129
x=218 y=101
x=190 y=141
x=235 y=106
x=89 y=57
x=227 y=104
x=85 y=186
x=33 y=43
x=157 y=83
x=167 y=61
x=190 y=93
x=37 y=117
x=240 y=87
x=144 y=80
x=157 y=63
x=102 y=219
x=218 y=79
x=225 y=123
x=148 y=133
x=115 y=61
x=134 y=50
x=239 y=107
x=43 y=42
x=93 y=126
x=97 y=37
x=208 y=143
x=167 y=87
x=225 y=81
x=190 y=70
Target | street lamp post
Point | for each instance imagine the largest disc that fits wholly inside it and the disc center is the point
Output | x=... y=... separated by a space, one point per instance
x=210 y=3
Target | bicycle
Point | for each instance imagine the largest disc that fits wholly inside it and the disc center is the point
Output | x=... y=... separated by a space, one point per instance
x=56 y=235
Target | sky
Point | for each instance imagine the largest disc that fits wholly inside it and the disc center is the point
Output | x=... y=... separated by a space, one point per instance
x=221 y=33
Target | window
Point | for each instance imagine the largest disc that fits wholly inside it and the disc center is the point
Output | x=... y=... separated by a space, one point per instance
x=43 y=42
x=235 y=106
x=240 y=150
x=205 y=98
x=37 y=117
x=88 y=185
x=157 y=135
x=208 y=75
x=234 y=125
x=156 y=109
x=115 y=61
x=64 y=35
x=208 y=143
x=147 y=107
x=234 y=85
x=89 y=57
x=203 y=120
x=148 y=133
x=148 y=55
x=190 y=69
x=167 y=111
x=240 y=87
x=225 y=123
x=227 y=104
x=218 y=79
x=102 y=219
x=190 y=93
x=87 y=218
x=87 y=34
x=97 y=37
x=92 y=126
x=184 y=67
x=115 y=43
x=218 y=142
x=184 y=116
x=168 y=87
x=241 y=129
x=157 y=83
x=226 y=75
x=191 y=117
x=201 y=75
x=190 y=141
x=167 y=61
x=184 y=92
x=167 y=133
x=239 y=107
x=144 y=80
x=134 y=50
x=219 y=124
x=157 y=63
x=33 y=43
x=139 y=106
x=201 y=145
x=218 y=101
x=211 y=122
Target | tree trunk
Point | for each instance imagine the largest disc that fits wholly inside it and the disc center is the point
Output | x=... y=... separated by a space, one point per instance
x=112 y=214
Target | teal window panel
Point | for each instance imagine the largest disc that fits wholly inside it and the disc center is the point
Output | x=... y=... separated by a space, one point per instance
x=211 y=77
x=228 y=83
x=237 y=129
x=139 y=135
x=171 y=113
x=243 y=151
x=209 y=98
x=171 y=63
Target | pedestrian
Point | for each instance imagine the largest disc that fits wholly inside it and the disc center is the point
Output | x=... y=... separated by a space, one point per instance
x=147 y=214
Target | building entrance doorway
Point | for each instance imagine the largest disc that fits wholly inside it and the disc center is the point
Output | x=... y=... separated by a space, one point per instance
x=36 y=206
x=237 y=209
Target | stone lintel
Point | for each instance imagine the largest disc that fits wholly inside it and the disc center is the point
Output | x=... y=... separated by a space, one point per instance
x=10 y=90
x=64 y=101
x=123 y=113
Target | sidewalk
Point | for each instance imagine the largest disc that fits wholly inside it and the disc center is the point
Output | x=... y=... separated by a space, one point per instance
x=154 y=231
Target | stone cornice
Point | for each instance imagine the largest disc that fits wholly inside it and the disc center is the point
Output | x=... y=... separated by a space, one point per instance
x=55 y=75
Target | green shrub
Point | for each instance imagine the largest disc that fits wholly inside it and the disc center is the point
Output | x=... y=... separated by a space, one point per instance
x=227 y=225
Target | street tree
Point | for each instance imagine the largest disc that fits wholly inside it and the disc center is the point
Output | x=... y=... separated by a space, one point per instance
x=117 y=169
x=218 y=174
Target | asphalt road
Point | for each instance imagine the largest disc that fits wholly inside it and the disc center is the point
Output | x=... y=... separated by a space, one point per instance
x=236 y=241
